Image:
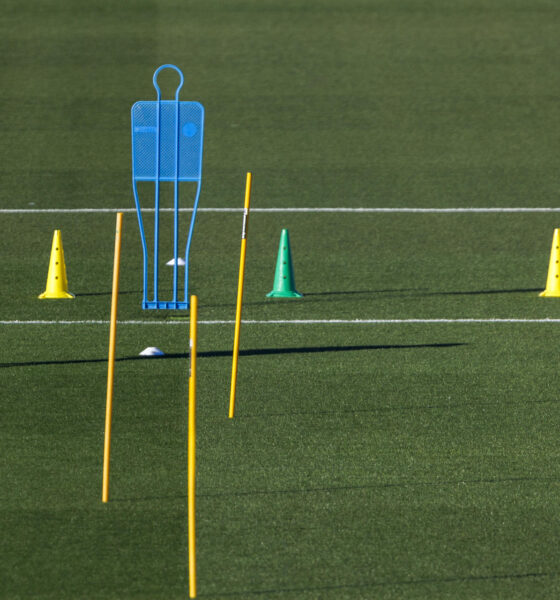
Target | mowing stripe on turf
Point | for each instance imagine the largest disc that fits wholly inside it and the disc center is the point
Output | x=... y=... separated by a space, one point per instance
x=290 y=322
x=309 y=209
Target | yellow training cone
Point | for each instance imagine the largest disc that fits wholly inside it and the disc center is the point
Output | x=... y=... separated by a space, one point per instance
x=553 y=279
x=57 y=284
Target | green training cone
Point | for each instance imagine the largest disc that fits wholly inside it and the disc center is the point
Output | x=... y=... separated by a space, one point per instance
x=284 y=283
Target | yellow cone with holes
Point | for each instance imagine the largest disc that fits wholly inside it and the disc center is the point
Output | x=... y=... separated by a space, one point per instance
x=553 y=280
x=57 y=284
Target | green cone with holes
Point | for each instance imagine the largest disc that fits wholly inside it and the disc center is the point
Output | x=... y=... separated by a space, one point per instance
x=284 y=282
x=553 y=280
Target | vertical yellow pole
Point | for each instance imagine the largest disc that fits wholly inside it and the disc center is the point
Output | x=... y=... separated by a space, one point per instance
x=239 y=296
x=192 y=448
x=111 y=361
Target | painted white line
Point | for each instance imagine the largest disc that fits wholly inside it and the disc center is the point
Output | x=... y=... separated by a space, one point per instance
x=292 y=210
x=395 y=321
x=408 y=210
x=289 y=322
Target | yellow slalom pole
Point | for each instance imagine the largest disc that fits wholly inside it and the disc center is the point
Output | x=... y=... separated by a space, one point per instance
x=192 y=448
x=111 y=361
x=239 y=296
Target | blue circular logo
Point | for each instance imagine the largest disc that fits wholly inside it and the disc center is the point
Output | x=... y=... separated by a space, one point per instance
x=189 y=129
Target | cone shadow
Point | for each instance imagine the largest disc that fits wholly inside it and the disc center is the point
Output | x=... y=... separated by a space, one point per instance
x=484 y=292
x=364 y=292
x=109 y=293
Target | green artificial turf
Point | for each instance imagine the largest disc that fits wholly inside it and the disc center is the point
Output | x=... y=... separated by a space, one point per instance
x=415 y=460
x=400 y=462
x=328 y=102
x=350 y=266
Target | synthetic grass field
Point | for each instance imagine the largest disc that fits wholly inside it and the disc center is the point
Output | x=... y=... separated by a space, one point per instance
x=413 y=455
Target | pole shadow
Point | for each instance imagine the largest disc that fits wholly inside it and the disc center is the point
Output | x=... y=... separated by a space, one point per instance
x=380 y=584
x=229 y=353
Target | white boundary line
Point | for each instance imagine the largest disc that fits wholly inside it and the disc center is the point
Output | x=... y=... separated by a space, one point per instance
x=291 y=322
x=290 y=210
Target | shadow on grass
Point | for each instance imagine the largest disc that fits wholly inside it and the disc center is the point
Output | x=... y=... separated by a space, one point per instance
x=483 y=292
x=319 y=295
x=408 y=291
x=347 y=488
x=391 y=293
x=121 y=293
x=357 y=292
x=424 y=292
x=378 y=485
x=381 y=584
x=226 y=353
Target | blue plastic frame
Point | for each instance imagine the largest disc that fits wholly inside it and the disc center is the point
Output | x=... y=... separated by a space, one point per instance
x=175 y=303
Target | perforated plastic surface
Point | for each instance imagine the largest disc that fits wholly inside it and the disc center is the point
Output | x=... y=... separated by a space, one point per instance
x=180 y=140
x=167 y=140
